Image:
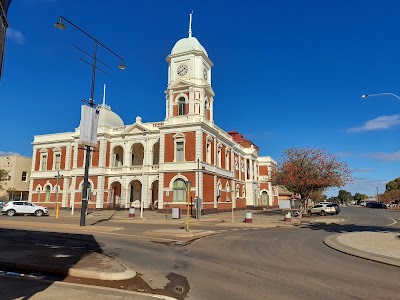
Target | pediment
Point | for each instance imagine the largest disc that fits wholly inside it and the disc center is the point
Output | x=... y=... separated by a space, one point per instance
x=180 y=84
x=135 y=128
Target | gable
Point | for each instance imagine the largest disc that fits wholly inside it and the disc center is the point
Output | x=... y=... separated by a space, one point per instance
x=135 y=128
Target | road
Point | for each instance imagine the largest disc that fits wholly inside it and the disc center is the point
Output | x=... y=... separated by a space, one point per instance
x=273 y=263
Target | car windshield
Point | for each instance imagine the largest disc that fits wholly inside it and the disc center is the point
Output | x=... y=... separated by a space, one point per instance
x=329 y=205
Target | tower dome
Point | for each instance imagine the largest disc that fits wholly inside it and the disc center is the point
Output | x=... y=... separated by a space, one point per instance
x=188 y=44
x=109 y=118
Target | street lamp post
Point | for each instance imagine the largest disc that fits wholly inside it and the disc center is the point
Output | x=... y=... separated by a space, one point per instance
x=56 y=207
x=62 y=26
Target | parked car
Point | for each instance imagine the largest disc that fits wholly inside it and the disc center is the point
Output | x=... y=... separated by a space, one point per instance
x=335 y=205
x=12 y=208
x=322 y=209
x=375 y=205
x=364 y=202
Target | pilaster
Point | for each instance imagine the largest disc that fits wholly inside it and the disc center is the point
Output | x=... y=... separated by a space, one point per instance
x=102 y=153
x=68 y=157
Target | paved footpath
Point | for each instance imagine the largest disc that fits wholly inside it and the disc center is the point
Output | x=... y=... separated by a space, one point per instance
x=383 y=247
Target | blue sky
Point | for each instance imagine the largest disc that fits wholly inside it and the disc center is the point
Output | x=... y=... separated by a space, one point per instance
x=287 y=73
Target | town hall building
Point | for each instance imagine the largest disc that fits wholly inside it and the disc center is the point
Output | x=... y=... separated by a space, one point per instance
x=148 y=165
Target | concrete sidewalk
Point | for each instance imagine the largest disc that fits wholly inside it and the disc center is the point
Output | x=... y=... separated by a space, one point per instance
x=382 y=247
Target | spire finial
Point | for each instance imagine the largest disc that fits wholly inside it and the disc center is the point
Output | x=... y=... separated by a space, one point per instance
x=104 y=96
x=190 y=24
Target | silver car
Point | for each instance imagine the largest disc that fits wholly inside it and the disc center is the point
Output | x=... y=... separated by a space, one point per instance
x=322 y=209
x=12 y=208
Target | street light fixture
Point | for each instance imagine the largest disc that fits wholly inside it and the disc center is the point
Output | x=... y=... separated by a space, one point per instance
x=380 y=94
x=62 y=26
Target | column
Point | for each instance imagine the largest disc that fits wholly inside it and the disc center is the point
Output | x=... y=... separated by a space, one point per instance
x=100 y=192
x=64 y=197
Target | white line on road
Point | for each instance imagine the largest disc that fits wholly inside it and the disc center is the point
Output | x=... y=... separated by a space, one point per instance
x=394 y=221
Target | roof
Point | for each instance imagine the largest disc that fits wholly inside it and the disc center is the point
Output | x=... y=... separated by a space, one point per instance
x=240 y=139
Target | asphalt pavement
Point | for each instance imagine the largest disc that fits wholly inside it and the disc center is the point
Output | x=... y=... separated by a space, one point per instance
x=87 y=261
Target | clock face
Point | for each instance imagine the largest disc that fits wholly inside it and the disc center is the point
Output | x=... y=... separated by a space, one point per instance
x=182 y=69
x=205 y=73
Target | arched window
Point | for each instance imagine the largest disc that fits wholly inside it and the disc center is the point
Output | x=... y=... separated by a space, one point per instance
x=179 y=191
x=227 y=159
x=219 y=155
x=181 y=106
x=179 y=140
x=47 y=193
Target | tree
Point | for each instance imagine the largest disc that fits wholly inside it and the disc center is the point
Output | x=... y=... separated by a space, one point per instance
x=3 y=177
x=318 y=196
x=393 y=185
x=359 y=196
x=307 y=170
x=344 y=196
x=389 y=196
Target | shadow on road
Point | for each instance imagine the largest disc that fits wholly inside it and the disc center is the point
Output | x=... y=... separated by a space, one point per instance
x=343 y=228
x=41 y=253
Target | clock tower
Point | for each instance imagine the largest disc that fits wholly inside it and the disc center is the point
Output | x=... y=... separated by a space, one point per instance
x=189 y=96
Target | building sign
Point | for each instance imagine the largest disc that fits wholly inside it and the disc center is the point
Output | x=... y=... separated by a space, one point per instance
x=88 y=126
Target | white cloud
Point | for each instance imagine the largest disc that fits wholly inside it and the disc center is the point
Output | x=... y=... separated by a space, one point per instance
x=382 y=122
x=362 y=170
x=15 y=35
x=4 y=153
x=383 y=156
x=343 y=154
x=365 y=186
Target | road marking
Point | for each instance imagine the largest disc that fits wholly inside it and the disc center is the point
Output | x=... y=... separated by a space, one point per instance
x=394 y=221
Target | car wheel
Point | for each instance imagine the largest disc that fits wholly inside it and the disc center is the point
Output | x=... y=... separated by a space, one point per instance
x=323 y=213
x=309 y=213
x=10 y=212
x=39 y=213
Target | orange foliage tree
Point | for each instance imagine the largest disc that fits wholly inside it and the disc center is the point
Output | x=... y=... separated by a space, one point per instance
x=307 y=170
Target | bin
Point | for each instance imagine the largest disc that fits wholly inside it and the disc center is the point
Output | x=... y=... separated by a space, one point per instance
x=131 y=212
x=248 y=218
x=176 y=213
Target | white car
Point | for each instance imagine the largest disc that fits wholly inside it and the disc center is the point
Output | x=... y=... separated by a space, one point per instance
x=322 y=209
x=12 y=208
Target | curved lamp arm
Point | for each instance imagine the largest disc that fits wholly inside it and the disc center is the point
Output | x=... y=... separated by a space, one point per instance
x=381 y=94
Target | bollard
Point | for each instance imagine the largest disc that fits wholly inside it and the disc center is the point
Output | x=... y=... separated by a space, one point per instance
x=248 y=217
x=131 y=212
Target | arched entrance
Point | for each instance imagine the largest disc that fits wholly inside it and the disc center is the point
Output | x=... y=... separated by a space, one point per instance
x=264 y=199
x=156 y=153
x=135 y=193
x=137 y=154
x=154 y=195
x=118 y=157
x=114 y=197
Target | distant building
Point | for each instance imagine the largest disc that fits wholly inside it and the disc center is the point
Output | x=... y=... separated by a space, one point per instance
x=16 y=187
x=4 y=4
x=148 y=164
